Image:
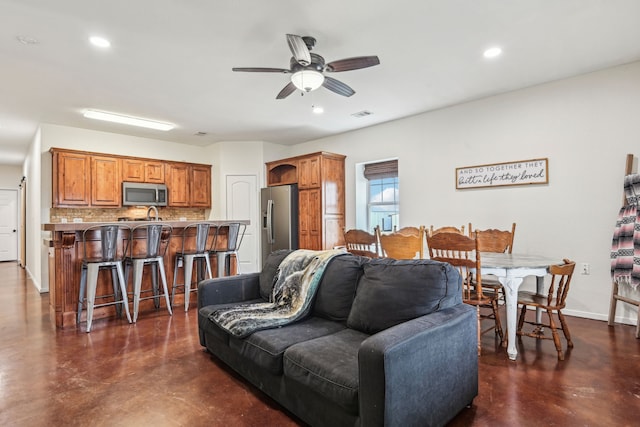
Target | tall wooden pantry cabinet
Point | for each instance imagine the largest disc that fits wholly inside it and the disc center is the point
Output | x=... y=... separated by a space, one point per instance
x=320 y=179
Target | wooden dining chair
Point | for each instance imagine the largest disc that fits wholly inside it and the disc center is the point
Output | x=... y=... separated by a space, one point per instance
x=409 y=231
x=360 y=242
x=446 y=229
x=493 y=240
x=407 y=243
x=553 y=301
x=462 y=252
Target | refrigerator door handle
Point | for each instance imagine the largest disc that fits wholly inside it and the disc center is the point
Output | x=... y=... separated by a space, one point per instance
x=270 y=237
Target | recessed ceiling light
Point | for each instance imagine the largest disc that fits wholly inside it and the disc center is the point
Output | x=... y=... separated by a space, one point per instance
x=128 y=120
x=99 y=41
x=317 y=109
x=492 y=52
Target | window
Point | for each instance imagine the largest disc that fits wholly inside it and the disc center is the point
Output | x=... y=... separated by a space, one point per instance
x=383 y=203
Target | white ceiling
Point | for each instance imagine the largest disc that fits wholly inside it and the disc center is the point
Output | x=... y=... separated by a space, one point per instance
x=171 y=60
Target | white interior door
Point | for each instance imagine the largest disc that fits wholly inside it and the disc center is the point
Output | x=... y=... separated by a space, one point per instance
x=242 y=203
x=8 y=225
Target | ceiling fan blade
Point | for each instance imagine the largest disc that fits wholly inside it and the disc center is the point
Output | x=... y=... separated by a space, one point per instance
x=299 y=49
x=352 y=63
x=337 y=86
x=261 y=70
x=286 y=91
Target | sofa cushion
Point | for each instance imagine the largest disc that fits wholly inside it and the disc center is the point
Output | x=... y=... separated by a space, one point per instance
x=394 y=291
x=266 y=347
x=269 y=269
x=210 y=327
x=338 y=287
x=329 y=366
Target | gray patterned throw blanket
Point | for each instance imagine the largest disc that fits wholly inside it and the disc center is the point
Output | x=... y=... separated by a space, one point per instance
x=296 y=282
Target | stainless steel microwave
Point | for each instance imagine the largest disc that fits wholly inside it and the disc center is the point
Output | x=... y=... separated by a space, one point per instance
x=135 y=193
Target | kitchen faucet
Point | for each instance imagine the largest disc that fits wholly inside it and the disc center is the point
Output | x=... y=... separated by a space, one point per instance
x=155 y=211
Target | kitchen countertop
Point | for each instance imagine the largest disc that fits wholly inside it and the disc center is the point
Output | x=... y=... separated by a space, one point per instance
x=79 y=226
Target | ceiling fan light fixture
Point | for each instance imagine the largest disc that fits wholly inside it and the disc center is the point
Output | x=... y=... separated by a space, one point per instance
x=307 y=80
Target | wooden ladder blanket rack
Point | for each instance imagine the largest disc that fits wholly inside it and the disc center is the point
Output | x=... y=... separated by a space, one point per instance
x=615 y=295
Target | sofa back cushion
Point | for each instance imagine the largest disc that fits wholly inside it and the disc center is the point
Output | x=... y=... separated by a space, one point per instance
x=338 y=287
x=269 y=269
x=393 y=291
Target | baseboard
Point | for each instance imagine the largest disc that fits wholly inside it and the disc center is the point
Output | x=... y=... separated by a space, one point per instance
x=36 y=284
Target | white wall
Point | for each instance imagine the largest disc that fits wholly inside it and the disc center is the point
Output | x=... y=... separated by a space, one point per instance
x=585 y=126
x=235 y=158
x=35 y=250
x=10 y=176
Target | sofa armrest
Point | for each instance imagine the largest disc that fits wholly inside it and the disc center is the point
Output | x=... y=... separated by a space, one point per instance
x=225 y=290
x=420 y=372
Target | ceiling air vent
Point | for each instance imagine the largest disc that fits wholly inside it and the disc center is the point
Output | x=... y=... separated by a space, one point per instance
x=362 y=113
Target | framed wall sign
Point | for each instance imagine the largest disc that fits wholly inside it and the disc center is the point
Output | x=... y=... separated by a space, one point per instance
x=522 y=172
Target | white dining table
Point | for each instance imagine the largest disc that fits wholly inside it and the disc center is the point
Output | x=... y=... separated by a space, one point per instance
x=511 y=269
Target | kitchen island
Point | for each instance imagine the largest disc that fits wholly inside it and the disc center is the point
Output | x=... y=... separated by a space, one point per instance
x=66 y=260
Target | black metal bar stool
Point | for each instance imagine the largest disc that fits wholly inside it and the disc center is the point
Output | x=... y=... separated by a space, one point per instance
x=100 y=251
x=148 y=246
x=235 y=234
x=195 y=248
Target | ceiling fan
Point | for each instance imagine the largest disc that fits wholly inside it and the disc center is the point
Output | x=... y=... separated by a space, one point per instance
x=307 y=69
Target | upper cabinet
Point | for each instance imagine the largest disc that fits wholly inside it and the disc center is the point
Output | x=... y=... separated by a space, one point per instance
x=106 y=187
x=71 y=186
x=178 y=181
x=309 y=172
x=83 y=179
x=189 y=185
x=201 y=186
x=282 y=172
x=140 y=170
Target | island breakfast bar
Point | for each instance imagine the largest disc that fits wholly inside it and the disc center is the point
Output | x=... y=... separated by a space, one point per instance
x=66 y=259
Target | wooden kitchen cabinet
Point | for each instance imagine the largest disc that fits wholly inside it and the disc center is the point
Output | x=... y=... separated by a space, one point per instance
x=71 y=186
x=201 y=186
x=282 y=172
x=140 y=170
x=320 y=179
x=154 y=172
x=178 y=184
x=309 y=172
x=189 y=185
x=106 y=187
x=310 y=223
x=85 y=179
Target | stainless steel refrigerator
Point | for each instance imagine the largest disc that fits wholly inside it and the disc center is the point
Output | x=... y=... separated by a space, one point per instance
x=279 y=208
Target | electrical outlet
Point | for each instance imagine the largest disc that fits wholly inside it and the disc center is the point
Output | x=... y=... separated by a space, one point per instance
x=586 y=268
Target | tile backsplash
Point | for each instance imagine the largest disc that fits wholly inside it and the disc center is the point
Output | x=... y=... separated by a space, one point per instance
x=58 y=215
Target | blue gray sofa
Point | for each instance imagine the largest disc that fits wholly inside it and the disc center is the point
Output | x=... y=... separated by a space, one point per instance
x=387 y=343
